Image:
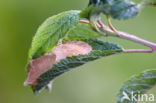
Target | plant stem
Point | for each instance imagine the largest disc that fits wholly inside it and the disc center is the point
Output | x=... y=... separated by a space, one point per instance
x=137 y=51
x=110 y=25
x=132 y=37
x=113 y=32
x=137 y=39
x=84 y=21
x=103 y=26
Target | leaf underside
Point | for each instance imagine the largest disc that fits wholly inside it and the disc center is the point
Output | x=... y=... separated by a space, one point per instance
x=100 y=49
x=51 y=31
x=141 y=83
x=117 y=9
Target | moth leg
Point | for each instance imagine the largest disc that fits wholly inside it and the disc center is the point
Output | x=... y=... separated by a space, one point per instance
x=49 y=86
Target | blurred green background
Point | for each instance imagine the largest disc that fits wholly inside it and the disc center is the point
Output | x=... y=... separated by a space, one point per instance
x=95 y=82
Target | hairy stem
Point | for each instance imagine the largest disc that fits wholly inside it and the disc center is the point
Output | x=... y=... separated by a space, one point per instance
x=136 y=39
x=113 y=32
x=132 y=37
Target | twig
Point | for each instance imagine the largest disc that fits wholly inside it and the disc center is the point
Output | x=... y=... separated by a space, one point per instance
x=137 y=51
x=113 y=32
x=84 y=21
x=135 y=39
x=110 y=25
x=103 y=26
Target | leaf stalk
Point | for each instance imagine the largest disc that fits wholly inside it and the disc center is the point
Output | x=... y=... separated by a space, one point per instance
x=111 y=31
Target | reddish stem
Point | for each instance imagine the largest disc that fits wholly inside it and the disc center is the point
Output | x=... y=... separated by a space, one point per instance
x=133 y=38
x=84 y=21
x=103 y=26
x=137 y=51
x=126 y=36
x=137 y=39
x=110 y=25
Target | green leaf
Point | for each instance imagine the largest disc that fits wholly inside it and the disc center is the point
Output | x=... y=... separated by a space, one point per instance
x=82 y=31
x=137 y=85
x=124 y=10
x=99 y=49
x=117 y=9
x=86 y=13
x=51 y=31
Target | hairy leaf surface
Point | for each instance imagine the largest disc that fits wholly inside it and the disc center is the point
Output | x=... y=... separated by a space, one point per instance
x=51 y=31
